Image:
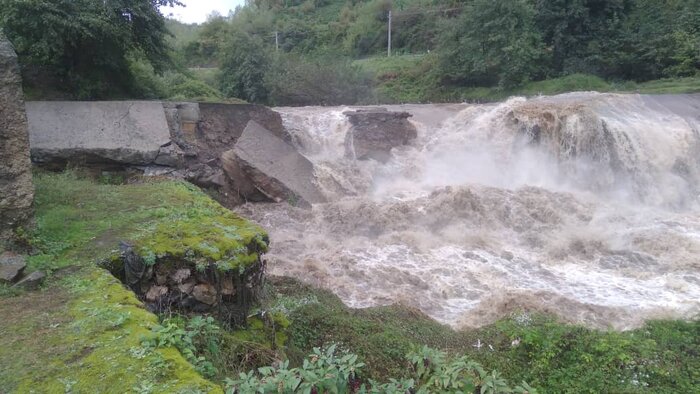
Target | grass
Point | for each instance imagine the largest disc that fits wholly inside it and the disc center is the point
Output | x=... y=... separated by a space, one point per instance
x=82 y=332
x=407 y=79
x=79 y=221
x=661 y=357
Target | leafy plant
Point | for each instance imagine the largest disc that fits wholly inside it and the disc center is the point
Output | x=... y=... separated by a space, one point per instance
x=192 y=338
x=325 y=372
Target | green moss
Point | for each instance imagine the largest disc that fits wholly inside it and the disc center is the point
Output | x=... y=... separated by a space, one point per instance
x=98 y=346
x=90 y=341
x=270 y=333
x=80 y=221
x=661 y=357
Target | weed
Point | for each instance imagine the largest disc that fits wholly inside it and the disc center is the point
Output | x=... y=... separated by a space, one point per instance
x=192 y=338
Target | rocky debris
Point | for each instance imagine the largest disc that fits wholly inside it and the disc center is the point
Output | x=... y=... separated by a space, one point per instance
x=119 y=132
x=9 y=258
x=176 y=284
x=31 y=281
x=155 y=292
x=218 y=128
x=180 y=276
x=10 y=273
x=16 y=189
x=376 y=132
x=262 y=161
x=205 y=293
x=170 y=155
x=221 y=125
x=182 y=121
x=175 y=139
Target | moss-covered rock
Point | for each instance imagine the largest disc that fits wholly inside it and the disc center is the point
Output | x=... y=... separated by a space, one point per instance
x=83 y=331
x=90 y=342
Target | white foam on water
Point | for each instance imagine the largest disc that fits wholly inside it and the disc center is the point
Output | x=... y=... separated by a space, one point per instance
x=584 y=205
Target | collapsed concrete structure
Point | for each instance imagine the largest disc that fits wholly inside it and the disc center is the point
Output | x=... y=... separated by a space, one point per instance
x=376 y=132
x=239 y=152
x=16 y=189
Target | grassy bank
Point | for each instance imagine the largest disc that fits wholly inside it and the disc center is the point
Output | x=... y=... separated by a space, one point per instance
x=83 y=332
x=408 y=79
x=661 y=357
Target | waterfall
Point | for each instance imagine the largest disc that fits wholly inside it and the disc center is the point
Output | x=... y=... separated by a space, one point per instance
x=584 y=205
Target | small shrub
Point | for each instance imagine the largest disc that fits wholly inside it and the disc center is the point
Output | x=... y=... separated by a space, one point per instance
x=192 y=338
x=325 y=372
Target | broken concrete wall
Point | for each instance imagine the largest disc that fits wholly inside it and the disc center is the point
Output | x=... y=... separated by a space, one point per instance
x=16 y=189
x=376 y=132
x=122 y=132
x=272 y=166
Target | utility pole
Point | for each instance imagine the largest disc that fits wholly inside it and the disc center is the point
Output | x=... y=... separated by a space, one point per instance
x=277 y=41
x=388 y=47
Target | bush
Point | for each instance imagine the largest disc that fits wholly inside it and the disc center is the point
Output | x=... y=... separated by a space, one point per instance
x=244 y=66
x=325 y=372
x=185 y=87
x=494 y=42
x=326 y=80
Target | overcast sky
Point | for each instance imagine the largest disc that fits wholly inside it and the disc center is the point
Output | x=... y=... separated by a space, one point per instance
x=197 y=10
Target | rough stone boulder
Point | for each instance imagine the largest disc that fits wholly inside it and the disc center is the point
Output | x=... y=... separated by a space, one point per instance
x=263 y=162
x=11 y=267
x=205 y=132
x=16 y=189
x=211 y=263
x=120 y=132
x=376 y=132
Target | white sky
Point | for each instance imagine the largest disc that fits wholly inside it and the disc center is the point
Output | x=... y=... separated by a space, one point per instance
x=197 y=10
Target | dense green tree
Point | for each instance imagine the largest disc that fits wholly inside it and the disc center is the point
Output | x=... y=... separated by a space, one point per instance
x=493 y=42
x=244 y=64
x=576 y=31
x=85 y=45
x=325 y=80
x=659 y=38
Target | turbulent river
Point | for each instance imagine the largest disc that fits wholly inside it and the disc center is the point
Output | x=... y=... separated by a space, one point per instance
x=583 y=205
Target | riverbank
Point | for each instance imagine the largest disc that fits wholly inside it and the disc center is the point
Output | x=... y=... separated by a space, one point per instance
x=408 y=79
x=85 y=332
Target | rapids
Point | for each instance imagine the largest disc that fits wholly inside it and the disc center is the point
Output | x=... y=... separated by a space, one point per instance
x=584 y=205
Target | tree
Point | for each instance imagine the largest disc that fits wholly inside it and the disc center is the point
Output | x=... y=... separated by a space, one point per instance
x=325 y=80
x=243 y=68
x=85 y=45
x=493 y=42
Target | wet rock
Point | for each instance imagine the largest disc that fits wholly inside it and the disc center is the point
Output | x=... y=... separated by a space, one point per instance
x=205 y=293
x=31 y=281
x=227 y=287
x=170 y=155
x=155 y=292
x=186 y=287
x=11 y=267
x=16 y=189
x=376 y=132
x=263 y=162
x=180 y=276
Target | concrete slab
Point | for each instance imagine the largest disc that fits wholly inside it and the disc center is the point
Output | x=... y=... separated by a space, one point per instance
x=275 y=168
x=128 y=132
